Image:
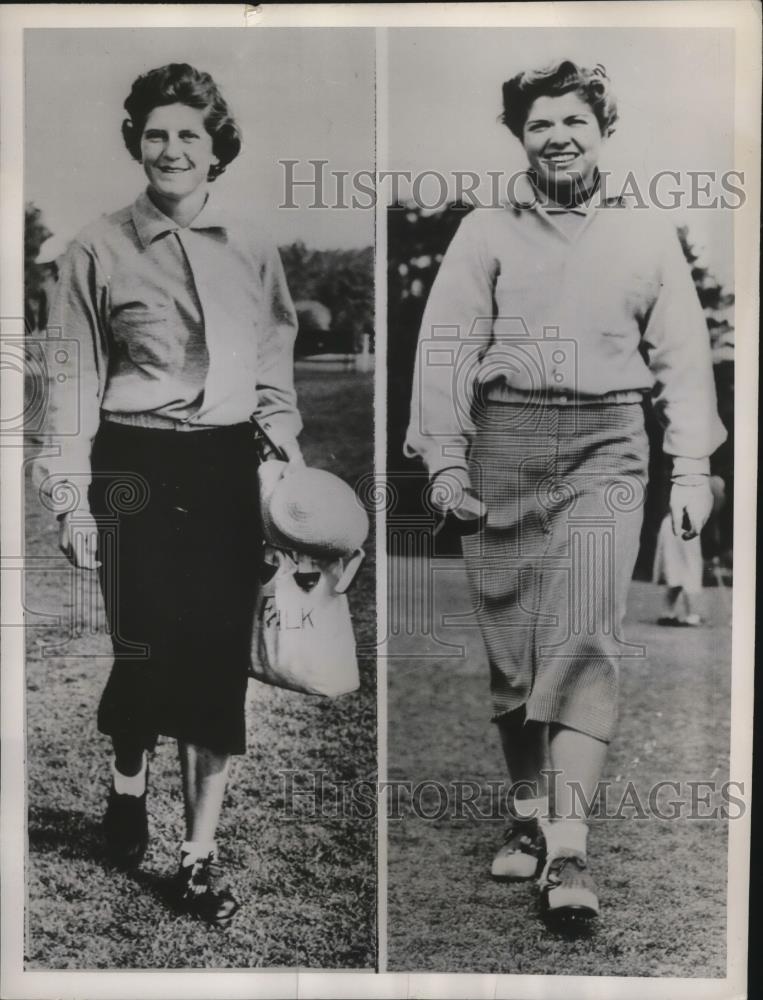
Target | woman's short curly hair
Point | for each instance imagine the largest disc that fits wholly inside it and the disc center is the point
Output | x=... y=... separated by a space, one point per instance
x=179 y=83
x=592 y=85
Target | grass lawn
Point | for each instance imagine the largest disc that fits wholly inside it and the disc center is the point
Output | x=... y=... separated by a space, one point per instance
x=662 y=883
x=307 y=884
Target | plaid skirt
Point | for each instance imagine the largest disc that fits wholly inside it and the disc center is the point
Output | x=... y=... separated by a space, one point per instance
x=179 y=544
x=564 y=486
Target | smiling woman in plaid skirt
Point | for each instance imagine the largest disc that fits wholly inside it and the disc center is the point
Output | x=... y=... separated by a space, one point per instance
x=549 y=322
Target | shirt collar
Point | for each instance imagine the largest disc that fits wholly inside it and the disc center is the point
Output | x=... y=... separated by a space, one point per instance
x=151 y=223
x=525 y=195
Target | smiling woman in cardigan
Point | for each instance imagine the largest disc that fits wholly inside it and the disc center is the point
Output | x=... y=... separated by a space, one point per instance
x=549 y=321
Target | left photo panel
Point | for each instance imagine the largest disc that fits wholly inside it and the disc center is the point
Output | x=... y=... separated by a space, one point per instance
x=200 y=596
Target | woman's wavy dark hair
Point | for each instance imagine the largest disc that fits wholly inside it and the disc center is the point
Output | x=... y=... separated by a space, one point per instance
x=564 y=77
x=179 y=83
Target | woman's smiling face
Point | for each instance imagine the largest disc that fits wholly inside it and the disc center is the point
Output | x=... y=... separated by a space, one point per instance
x=562 y=140
x=176 y=150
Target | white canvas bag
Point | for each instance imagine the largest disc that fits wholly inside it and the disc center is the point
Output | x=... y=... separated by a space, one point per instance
x=305 y=640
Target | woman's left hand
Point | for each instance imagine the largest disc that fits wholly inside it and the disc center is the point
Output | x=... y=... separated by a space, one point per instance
x=691 y=501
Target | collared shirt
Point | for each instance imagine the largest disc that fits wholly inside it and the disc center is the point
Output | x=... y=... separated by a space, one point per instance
x=603 y=304
x=187 y=327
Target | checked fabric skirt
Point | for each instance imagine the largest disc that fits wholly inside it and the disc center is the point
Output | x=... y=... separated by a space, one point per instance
x=564 y=486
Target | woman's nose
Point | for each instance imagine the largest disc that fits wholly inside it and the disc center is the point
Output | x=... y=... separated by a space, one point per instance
x=559 y=135
x=172 y=148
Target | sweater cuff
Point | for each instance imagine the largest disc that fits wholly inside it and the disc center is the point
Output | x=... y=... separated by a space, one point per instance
x=437 y=463
x=691 y=466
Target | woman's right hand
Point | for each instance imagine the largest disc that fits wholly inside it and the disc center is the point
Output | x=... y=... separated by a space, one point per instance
x=448 y=488
x=452 y=494
x=78 y=538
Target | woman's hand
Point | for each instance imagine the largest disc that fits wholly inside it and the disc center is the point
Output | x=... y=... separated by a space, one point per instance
x=451 y=493
x=294 y=457
x=448 y=488
x=78 y=538
x=691 y=501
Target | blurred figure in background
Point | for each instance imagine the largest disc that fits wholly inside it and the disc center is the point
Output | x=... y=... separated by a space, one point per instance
x=678 y=563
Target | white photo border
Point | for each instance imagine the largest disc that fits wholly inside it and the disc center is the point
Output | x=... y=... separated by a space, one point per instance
x=741 y=16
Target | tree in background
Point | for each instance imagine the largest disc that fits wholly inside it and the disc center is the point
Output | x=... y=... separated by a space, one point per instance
x=35 y=299
x=340 y=280
x=416 y=243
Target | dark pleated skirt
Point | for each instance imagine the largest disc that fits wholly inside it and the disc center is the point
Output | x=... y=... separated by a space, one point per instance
x=179 y=540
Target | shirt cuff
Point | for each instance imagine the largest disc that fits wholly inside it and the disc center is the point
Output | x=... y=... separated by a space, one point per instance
x=282 y=430
x=691 y=466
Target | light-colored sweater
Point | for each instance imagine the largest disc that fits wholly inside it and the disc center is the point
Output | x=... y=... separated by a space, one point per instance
x=575 y=312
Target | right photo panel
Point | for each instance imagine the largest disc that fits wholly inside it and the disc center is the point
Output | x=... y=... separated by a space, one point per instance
x=560 y=442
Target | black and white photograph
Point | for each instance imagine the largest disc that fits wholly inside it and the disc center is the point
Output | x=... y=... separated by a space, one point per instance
x=378 y=498
x=200 y=589
x=561 y=344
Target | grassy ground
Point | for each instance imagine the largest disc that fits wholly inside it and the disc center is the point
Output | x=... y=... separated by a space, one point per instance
x=307 y=884
x=662 y=883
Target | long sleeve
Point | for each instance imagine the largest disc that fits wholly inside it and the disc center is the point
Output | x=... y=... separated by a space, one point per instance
x=77 y=342
x=276 y=397
x=678 y=350
x=455 y=333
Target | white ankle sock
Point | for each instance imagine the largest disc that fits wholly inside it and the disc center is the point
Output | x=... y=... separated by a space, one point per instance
x=535 y=808
x=130 y=784
x=566 y=835
x=192 y=850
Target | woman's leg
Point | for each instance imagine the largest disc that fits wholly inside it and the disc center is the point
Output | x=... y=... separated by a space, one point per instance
x=125 y=822
x=205 y=775
x=525 y=750
x=691 y=603
x=577 y=761
x=602 y=466
x=128 y=756
x=672 y=597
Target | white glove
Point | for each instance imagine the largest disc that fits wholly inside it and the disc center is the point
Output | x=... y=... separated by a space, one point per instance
x=451 y=493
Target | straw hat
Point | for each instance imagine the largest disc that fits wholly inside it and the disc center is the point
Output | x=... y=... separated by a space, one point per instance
x=310 y=510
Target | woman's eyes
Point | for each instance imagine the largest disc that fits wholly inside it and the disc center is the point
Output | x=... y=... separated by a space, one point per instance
x=540 y=126
x=162 y=136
